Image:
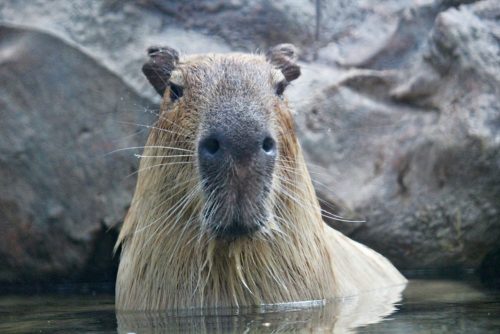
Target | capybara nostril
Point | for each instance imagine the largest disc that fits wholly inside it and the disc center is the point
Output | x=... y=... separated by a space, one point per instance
x=209 y=146
x=268 y=145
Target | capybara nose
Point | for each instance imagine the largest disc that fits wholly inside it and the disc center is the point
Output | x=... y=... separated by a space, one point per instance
x=219 y=149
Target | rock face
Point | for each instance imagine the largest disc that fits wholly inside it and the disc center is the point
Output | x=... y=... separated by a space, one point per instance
x=417 y=150
x=398 y=112
x=61 y=113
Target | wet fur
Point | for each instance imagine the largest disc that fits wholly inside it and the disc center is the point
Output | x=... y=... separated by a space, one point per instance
x=170 y=260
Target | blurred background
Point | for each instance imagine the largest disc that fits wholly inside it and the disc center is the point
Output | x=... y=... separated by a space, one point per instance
x=398 y=111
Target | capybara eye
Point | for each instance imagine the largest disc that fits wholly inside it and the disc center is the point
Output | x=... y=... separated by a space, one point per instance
x=280 y=87
x=176 y=91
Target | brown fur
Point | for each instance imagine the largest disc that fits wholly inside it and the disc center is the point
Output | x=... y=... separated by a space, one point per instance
x=168 y=258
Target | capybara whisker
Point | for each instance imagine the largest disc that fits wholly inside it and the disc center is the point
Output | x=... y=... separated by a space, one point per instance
x=325 y=212
x=159 y=165
x=161 y=203
x=163 y=156
x=157 y=114
x=155 y=128
x=181 y=203
x=151 y=146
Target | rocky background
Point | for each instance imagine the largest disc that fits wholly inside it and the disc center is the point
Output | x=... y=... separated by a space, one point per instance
x=398 y=111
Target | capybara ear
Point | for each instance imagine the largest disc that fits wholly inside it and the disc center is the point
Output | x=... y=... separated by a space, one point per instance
x=284 y=57
x=162 y=61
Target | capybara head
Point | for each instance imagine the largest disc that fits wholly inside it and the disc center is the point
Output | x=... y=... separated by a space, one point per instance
x=224 y=212
x=229 y=111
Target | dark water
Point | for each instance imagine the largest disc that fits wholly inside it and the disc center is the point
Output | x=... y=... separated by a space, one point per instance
x=425 y=306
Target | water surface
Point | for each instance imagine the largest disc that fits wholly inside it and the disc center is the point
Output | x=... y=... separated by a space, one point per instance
x=425 y=306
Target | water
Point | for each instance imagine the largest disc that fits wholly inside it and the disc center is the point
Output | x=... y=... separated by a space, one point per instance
x=425 y=306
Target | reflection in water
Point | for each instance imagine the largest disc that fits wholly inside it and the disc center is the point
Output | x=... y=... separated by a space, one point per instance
x=428 y=306
x=341 y=316
x=444 y=306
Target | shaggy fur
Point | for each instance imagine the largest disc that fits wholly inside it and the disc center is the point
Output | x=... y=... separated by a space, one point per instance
x=169 y=260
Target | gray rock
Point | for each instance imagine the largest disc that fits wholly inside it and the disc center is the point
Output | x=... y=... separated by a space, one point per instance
x=61 y=113
x=417 y=151
x=115 y=33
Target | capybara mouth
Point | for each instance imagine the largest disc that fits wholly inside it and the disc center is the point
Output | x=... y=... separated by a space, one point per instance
x=228 y=219
x=236 y=229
